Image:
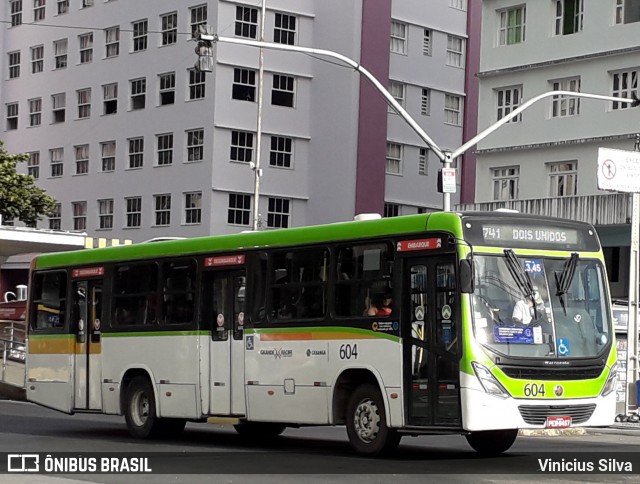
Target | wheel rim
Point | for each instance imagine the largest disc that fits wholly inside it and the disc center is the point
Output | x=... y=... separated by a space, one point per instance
x=366 y=420
x=140 y=408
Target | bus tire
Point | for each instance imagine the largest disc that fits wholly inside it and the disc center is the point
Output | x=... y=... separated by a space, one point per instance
x=367 y=423
x=140 y=410
x=259 y=430
x=492 y=442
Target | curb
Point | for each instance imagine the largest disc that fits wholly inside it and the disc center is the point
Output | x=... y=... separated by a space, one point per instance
x=10 y=392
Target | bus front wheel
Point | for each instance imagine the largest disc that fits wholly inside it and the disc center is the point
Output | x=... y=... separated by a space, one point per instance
x=492 y=442
x=367 y=423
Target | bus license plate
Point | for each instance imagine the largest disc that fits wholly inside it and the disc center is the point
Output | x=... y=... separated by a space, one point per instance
x=558 y=422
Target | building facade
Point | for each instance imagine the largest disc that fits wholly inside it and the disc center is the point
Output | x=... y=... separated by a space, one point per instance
x=135 y=143
x=544 y=161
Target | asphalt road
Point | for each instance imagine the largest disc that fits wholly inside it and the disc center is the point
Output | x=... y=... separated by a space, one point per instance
x=214 y=453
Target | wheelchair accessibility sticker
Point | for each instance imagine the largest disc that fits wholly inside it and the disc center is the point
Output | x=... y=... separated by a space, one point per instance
x=562 y=347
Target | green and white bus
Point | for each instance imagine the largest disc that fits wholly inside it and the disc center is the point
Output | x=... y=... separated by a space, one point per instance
x=277 y=329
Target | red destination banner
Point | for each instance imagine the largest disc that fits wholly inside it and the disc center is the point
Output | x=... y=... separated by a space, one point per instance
x=224 y=260
x=419 y=244
x=87 y=272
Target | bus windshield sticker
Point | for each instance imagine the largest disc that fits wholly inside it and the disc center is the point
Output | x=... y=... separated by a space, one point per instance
x=533 y=266
x=224 y=260
x=419 y=244
x=563 y=347
x=516 y=334
x=87 y=272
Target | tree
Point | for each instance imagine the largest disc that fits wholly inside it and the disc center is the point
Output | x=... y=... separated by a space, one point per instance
x=19 y=196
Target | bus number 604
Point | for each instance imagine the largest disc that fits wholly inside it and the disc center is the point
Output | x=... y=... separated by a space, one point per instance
x=534 y=390
x=348 y=351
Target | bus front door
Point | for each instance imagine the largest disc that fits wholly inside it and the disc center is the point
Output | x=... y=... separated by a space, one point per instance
x=85 y=322
x=431 y=322
x=224 y=308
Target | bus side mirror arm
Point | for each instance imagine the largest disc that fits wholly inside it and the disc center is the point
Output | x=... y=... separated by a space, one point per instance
x=466 y=276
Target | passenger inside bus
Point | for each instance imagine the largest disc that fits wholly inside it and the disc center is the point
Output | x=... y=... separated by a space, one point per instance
x=380 y=305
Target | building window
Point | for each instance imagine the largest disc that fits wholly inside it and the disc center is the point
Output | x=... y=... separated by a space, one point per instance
x=86 y=48
x=505 y=183
x=625 y=84
x=79 y=210
x=563 y=106
x=426 y=42
x=563 y=178
x=133 y=214
x=14 y=64
x=507 y=100
x=391 y=210
x=511 y=28
x=39 y=10
x=455 y=51
x=241 y=146
x=82 y=159
x=108 y=155
x=193 y=207
x=278 y=213
x=105 y=214
x=33 y=164
x=425 y=102
x=626 y=11
x=16 y=12
x=283 y=90
x=164 y=144
x=60 y=52
x=453 y=109
x=196 y=84
x=37 y=59
x=398 y=42
x=87 y=3
x=140 y=31
x=56 y=155
x=246 y=22
x=568 y=18
x=167 y=88
x=458 y=4
x=59 y=103
x=281 y=151
x=12 y=116
x=397 y=90
x=284 y=31
x=136 y=152
x=198 y=17
x=63 y=6
x=239 y=212
x=55 y=219
x=110 y=97
x=112 y=41
x=244 y=84
x=138 y=93
x=195 y=145
x=423 y=161
x=35 y=112
x=84 y=103
x=163 y=209
x=169 y=22
x=394 y=158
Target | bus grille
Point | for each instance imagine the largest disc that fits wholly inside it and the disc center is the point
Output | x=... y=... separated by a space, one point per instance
x=537 y=414
x=528 y=373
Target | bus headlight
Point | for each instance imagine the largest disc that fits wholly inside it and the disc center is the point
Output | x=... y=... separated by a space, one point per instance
x=610 y=384
x=489 y=382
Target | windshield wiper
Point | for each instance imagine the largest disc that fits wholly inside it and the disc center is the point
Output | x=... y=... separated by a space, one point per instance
x=522 y=278
x=563 y=283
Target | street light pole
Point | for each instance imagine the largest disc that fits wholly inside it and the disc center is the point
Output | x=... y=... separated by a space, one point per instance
x=256 y=166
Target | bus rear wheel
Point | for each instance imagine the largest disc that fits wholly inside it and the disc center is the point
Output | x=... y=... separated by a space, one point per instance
x=492 y=442
x=259 y=430
x=141 y=416
x=367 y=423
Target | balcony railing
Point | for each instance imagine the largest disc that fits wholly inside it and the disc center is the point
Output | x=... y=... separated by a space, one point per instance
x=607 y=209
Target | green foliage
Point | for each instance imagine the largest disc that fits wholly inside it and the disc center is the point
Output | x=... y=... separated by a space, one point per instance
x=19 y=196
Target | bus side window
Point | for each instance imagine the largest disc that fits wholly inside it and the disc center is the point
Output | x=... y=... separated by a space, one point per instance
x=178 y=291
x=49 y=301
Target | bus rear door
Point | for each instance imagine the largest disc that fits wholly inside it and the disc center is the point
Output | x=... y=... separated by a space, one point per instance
x=86 y=317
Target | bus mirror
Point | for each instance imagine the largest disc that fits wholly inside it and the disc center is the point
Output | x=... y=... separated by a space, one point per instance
x=466 y=276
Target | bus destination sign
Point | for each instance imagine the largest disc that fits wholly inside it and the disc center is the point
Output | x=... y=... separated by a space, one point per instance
x=510 y=233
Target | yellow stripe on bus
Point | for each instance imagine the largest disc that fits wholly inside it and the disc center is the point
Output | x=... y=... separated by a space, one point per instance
x=61 y=346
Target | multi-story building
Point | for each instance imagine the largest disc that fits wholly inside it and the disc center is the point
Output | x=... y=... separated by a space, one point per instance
x=135 y=143
x=544 y=161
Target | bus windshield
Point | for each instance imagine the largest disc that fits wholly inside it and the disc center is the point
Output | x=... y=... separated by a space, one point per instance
x=540 y=307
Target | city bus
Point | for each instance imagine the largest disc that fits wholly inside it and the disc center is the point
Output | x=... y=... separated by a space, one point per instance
x=275 y=329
